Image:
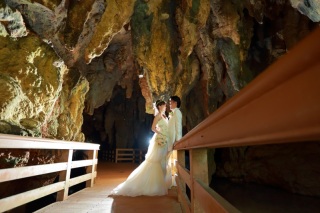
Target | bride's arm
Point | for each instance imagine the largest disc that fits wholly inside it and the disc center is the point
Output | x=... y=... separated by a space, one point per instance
x=154 y=124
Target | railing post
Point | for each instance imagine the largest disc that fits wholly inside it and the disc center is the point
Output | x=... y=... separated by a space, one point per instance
x=181 y=158
x=198 y=171
x=116 y=155
x=65 y=176
x=91 y=169
x=140 y=156
x=173 y=161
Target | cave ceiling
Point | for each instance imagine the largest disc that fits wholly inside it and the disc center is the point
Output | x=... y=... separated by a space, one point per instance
x=203 y=51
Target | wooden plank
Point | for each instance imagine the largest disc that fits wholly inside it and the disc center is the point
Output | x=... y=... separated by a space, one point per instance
x=128 y=158
x=92 y=168
x=97 y=199
x=211 y=201
x=124 y=149
x=129 y=154
x=119 y=154
x=82 y=163
x=183 y=198
x=20 y=142
x=125 y=154
x=199 y=171
x=65 y=176
x=29 y=171
x=184 y=175
x=80 y=179
x=26 y=197
x=281 y=105
x=23 y=142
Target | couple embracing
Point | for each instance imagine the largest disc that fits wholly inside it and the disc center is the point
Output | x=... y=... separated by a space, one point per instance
x=153 y=176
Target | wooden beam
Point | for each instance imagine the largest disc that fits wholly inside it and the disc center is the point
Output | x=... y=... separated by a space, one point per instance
x=183 y=198
x=80 y=179
x=65 y=176
x=210 y=201
x=198 y=171
x=24 y=142
x=92 y=168
x=184 y=175
x=26 y=197
x=281 y=105
x=82 y=163
x=21 y=142
x=29 y=171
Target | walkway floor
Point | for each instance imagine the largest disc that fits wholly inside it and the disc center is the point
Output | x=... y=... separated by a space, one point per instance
x=96 y=199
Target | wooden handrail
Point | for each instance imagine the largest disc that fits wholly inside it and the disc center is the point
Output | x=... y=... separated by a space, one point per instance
x=132 y=155
x=62 y=187
x=284 y=95
x=280 y=105
x=22 y=142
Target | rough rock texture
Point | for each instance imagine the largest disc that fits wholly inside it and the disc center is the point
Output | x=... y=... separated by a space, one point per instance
x=284 y=166
x=115 y=66
x=310 y=8
x=75 y=58
x=38 y=89
x=116 y=14
x=40 y=97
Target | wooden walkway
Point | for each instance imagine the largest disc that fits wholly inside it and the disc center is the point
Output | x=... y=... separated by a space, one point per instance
x=96 y=199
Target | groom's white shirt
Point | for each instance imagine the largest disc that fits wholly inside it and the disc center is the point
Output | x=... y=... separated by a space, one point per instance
x=174 y=127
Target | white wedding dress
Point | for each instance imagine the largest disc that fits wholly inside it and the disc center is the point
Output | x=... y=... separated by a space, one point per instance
x=150 y=177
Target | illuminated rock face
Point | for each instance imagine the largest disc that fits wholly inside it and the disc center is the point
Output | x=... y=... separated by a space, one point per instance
x=112 y=59
x=35 y=95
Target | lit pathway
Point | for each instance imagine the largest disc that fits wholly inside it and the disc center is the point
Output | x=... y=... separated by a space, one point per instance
x=96 y=199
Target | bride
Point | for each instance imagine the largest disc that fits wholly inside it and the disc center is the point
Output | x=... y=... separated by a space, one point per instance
x=149 y=178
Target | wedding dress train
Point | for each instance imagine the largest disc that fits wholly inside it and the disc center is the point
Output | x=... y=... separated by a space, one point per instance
x=150 y=177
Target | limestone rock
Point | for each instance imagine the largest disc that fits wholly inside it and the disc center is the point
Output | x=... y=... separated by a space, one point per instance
x=114 y=67
x=30 y=83
x=12 y=23
x=309 y=8
x=116 y=15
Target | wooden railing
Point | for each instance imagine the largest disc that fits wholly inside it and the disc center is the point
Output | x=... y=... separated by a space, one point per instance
x=62 y=187
x=281 y=105
x=107 y=155
x=131 y=155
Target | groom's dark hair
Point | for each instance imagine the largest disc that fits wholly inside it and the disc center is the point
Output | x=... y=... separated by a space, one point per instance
x=176 y=99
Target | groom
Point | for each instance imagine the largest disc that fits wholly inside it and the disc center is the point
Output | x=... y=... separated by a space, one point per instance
x=175 y=122
x=174 y=134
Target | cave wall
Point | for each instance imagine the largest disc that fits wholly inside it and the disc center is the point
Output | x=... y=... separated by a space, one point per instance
x=63 y=60
x=199 y=50
x=294 y=167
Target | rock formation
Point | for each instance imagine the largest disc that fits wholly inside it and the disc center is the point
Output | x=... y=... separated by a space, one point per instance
x=109 y=60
